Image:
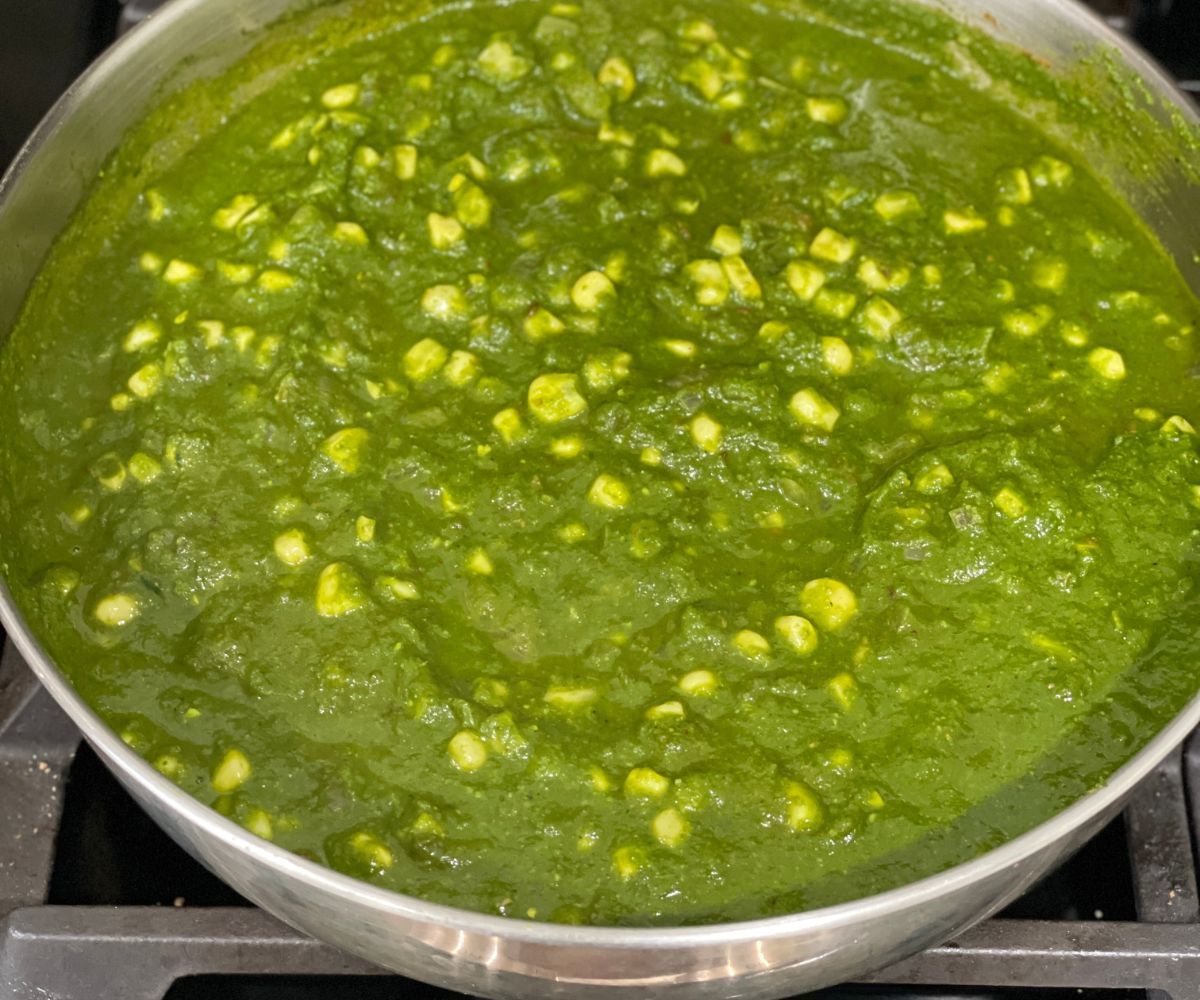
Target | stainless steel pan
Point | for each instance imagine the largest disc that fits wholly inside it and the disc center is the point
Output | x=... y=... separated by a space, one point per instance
x=512 y=958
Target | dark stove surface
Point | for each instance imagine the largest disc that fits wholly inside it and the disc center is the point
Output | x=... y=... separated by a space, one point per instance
x=96 y=903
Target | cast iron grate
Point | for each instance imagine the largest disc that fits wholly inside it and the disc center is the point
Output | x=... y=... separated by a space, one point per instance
x=97 y=904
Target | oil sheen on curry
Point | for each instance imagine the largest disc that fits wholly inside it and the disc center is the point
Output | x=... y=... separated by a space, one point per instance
x=612 y=463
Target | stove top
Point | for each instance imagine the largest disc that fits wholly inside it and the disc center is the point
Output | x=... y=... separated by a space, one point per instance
x=96 y=903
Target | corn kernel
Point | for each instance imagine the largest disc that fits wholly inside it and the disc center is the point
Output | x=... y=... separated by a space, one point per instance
x=555 y=397
x=609 y=492
x=591 y=290
x=1107 y=363
x=467 y=750
x=829 y=603
x=339 y=591
x=798 y=632
x=232 y=772
x=812 y=409
x=645 y=782
x=424 y=359
x=291 y=547
x=116 y=610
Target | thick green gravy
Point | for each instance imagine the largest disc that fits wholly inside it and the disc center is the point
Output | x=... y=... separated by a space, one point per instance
x=614 y=463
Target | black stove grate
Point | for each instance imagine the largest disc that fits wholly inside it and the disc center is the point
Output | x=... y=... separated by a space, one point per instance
x=96 y=903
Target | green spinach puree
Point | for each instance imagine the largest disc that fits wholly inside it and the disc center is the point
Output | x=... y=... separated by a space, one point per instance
x=610 y=462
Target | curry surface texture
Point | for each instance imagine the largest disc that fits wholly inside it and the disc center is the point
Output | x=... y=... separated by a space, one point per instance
x=614 y=463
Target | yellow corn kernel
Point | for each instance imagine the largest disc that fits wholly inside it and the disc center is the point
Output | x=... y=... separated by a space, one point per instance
x=591 y=290
x=664 y=163
x=275 y=280
x=230 y=215
x=146 y=381
x=741 y=279
x=541 y=323
x=461 y=368
x=235 y=274
x=603 y=371
x=1050 y=275
x=1048 y=172
x=502 y=63
x=467 y=750
x=830 y=245
x=116 y=610
x=826 y=110
x=372 y=850
x=805 y=279
x=401 y=590
x=934 y=480
x=706 y=433
x=291 y=547
x=341 y=96
x=404 y=161
x=143 y=467
x=339 y=591
x=480 y=563
x=812 y=409
x=645 y=782
x=829 y=603
x=424 y=359
x=837 y=355
x=1013 y=187
x=680 y=348
x=567 y=698
x=509 y=424
x=628 y=861
x=710 y=281
x=804 y=810
x=259 y=823
x=798 y=632
x=1027 y=322
x=1010 y=503
x=472 y=206
x=156 y=205
x=665 y=711
x=893 y=205
x=444 y=302
x=180 y=272
x=882 y=279
x=843 y=688
x=961 y=223
x=573 y=532
x=608 y=492
x=345 y=448
x=879 y=318
x=1107 y=363
x=699 y=683
x=726 y=241
x=566 y=447
x=752 y=644
x=1176 y=424
x=617 y=75
x=444 y=230
x=555 y=397
x=233 y=772
x=669 y=827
